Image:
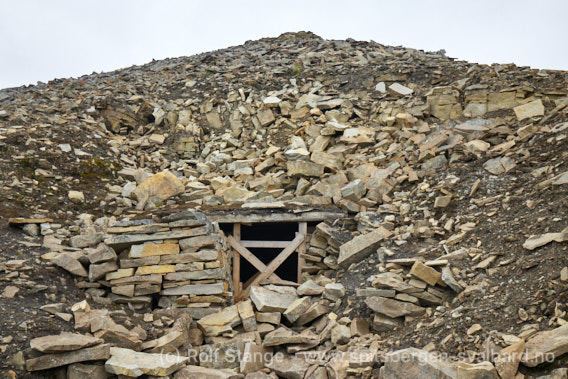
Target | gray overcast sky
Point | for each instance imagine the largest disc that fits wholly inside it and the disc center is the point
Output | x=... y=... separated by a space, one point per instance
x=45 y=39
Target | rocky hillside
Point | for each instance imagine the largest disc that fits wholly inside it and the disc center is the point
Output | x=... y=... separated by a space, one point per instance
x=450 y=176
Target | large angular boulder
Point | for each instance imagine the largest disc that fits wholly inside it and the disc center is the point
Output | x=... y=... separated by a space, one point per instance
x=220 y=322
x=416 y=363
x=289 y=367
x=283 y=336
x=223 y=355
x=482 y=370
x=546 y=346
x=528 y=110
x=266 y=300
x=158 y=188
x=69 y=263
x=297 y=308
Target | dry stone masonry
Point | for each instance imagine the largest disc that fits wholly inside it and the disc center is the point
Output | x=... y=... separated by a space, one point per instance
x=181 y=261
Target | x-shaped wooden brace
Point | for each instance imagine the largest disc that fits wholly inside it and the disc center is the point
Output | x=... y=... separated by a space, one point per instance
x=265 y=271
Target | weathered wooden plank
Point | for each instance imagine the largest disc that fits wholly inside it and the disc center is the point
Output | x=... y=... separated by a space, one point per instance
x=236 y=261
x=23 y=221
x=302 y=229
x=232 y=218
x=265 y=244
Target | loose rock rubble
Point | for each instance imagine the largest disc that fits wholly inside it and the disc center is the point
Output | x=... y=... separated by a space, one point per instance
x=447 y=257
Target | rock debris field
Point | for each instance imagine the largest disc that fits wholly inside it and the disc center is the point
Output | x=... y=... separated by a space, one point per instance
x=444 y=253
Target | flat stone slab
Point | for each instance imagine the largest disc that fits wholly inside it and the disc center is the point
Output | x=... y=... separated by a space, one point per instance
x=198 y=372
x=138 y=229
x=193 y=244
x=63 y=342
x=393 y=308
x=138 y=279
x=289 y=367
x=528 y=110
x=101 y=254
x=153 y=249
x=120 y=242
x=197 y=217
x=131 y=363
x=498 y=166
x=482 y=370
x=537 y=241
x=416 y=363
x=399 y=89
x=45 y=362
x=309 y=287
x=393 y=281
x=213 y=273
x=167 y=343
x=304 y=168
x=561 y=179
x=361 y=246
x=86 y=240
x=155 y=269
x=507 y=360
x=195 y=289
x=546 y=346
x=81 y=371
x=282 y=336
x=383 y=323
x=199 y=256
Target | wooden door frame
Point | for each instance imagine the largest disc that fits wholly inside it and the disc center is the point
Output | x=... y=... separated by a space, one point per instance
x=298 y=244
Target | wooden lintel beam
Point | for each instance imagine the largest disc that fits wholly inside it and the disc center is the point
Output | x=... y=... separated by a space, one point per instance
x=266 y=244
x=311 y=216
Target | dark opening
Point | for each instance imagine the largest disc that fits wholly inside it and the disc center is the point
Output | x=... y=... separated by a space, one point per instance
x=227 y=229
x=275 y=231
x=288 y=270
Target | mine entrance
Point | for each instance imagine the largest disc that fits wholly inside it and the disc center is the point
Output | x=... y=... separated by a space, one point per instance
x=265 y=251
x=268 y=245
x=269 y=232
